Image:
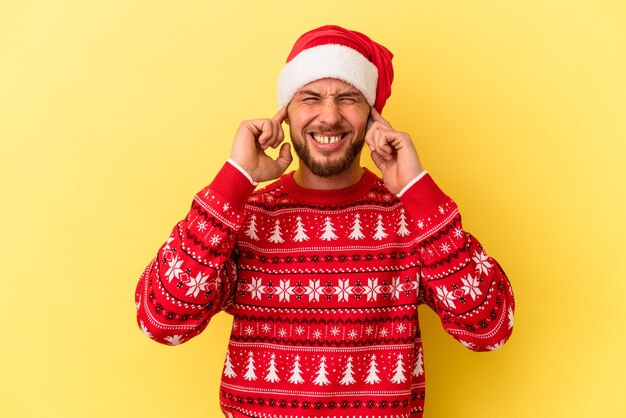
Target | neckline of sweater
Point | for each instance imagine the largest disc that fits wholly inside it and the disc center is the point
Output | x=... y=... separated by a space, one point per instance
x=336 y=196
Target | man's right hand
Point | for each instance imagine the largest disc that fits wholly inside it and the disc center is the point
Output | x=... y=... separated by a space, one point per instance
x=253 y=138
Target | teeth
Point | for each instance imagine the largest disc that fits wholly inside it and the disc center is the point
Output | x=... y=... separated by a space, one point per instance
x=326 y=139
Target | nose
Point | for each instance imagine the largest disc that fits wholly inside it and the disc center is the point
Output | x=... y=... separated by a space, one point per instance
x=329 y=113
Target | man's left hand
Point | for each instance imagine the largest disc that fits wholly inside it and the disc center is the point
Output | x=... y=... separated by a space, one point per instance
x=393 y=153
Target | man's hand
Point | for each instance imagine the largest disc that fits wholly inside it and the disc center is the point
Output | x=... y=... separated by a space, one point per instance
x=393 y=153
x=253 y=138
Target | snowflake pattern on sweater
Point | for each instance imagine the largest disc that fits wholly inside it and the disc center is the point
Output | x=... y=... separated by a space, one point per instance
x=324 y=288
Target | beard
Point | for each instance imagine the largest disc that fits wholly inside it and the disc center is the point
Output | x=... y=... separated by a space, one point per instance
x=327 y=167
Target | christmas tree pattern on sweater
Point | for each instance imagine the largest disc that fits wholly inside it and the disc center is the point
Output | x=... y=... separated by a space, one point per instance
x=323 y=288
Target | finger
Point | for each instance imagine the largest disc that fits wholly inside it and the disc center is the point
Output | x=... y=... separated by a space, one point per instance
x=372 y=127
x=383 y=146
x=278 y=135
x=380 y=141
x=267 y=132
x=379 y=159
x=281 y=115
x=255 y=127
x=371 y=139
x=376 y=117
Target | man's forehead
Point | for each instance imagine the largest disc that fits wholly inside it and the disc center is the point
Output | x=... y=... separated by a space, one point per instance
x=328 y=86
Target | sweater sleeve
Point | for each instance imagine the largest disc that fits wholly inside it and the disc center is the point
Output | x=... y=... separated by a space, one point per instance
x=193 y=275
x=467 y=289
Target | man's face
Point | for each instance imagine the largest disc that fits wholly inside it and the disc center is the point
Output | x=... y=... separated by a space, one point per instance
x=328 y=121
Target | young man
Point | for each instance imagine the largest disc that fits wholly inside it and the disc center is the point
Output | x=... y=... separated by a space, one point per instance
x=323 y=269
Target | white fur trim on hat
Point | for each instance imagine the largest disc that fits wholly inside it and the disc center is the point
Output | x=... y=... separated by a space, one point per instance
x=328 y=61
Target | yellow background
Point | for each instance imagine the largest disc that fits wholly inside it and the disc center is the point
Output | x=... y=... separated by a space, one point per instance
x=114 y=113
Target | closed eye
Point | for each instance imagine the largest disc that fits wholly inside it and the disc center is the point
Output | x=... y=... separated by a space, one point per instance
x=350 y=98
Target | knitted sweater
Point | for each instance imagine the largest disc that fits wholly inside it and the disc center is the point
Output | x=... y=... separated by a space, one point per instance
x=324 y=288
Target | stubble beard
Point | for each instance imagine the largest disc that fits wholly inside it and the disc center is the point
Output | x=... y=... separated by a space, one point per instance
x=328 y=167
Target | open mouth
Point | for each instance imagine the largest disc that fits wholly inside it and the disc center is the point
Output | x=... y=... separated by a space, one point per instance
x=327 y=139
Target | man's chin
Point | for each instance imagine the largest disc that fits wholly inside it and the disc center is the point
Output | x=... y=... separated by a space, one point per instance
x=328 y=167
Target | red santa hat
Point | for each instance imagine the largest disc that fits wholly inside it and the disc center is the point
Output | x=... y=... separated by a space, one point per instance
x=335 y=52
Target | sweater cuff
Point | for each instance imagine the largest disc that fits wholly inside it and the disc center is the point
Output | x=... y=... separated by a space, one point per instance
x=244 y=172
x=423 y=196
x=412 y=182
x=232 y=186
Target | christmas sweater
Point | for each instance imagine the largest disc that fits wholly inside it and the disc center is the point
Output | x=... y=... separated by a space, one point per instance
x=323 y=286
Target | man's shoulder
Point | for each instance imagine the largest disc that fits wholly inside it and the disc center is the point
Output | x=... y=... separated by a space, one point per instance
x=378 y=191
x=269 y=193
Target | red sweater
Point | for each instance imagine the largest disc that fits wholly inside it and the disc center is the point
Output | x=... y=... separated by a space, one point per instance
x=323 y=287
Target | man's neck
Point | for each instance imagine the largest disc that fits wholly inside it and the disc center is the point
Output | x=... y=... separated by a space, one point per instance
x=307 y=179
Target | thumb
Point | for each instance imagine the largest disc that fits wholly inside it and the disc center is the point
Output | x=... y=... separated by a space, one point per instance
x=284 y=157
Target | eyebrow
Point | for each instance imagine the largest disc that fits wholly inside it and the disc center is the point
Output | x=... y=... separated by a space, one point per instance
x=350 y=94
x=340 y=95
x=309 y=93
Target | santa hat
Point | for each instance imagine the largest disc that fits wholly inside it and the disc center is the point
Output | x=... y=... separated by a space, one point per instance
x=335 y=52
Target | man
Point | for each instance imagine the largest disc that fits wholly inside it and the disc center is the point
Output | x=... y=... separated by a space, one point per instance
x=323 y=269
